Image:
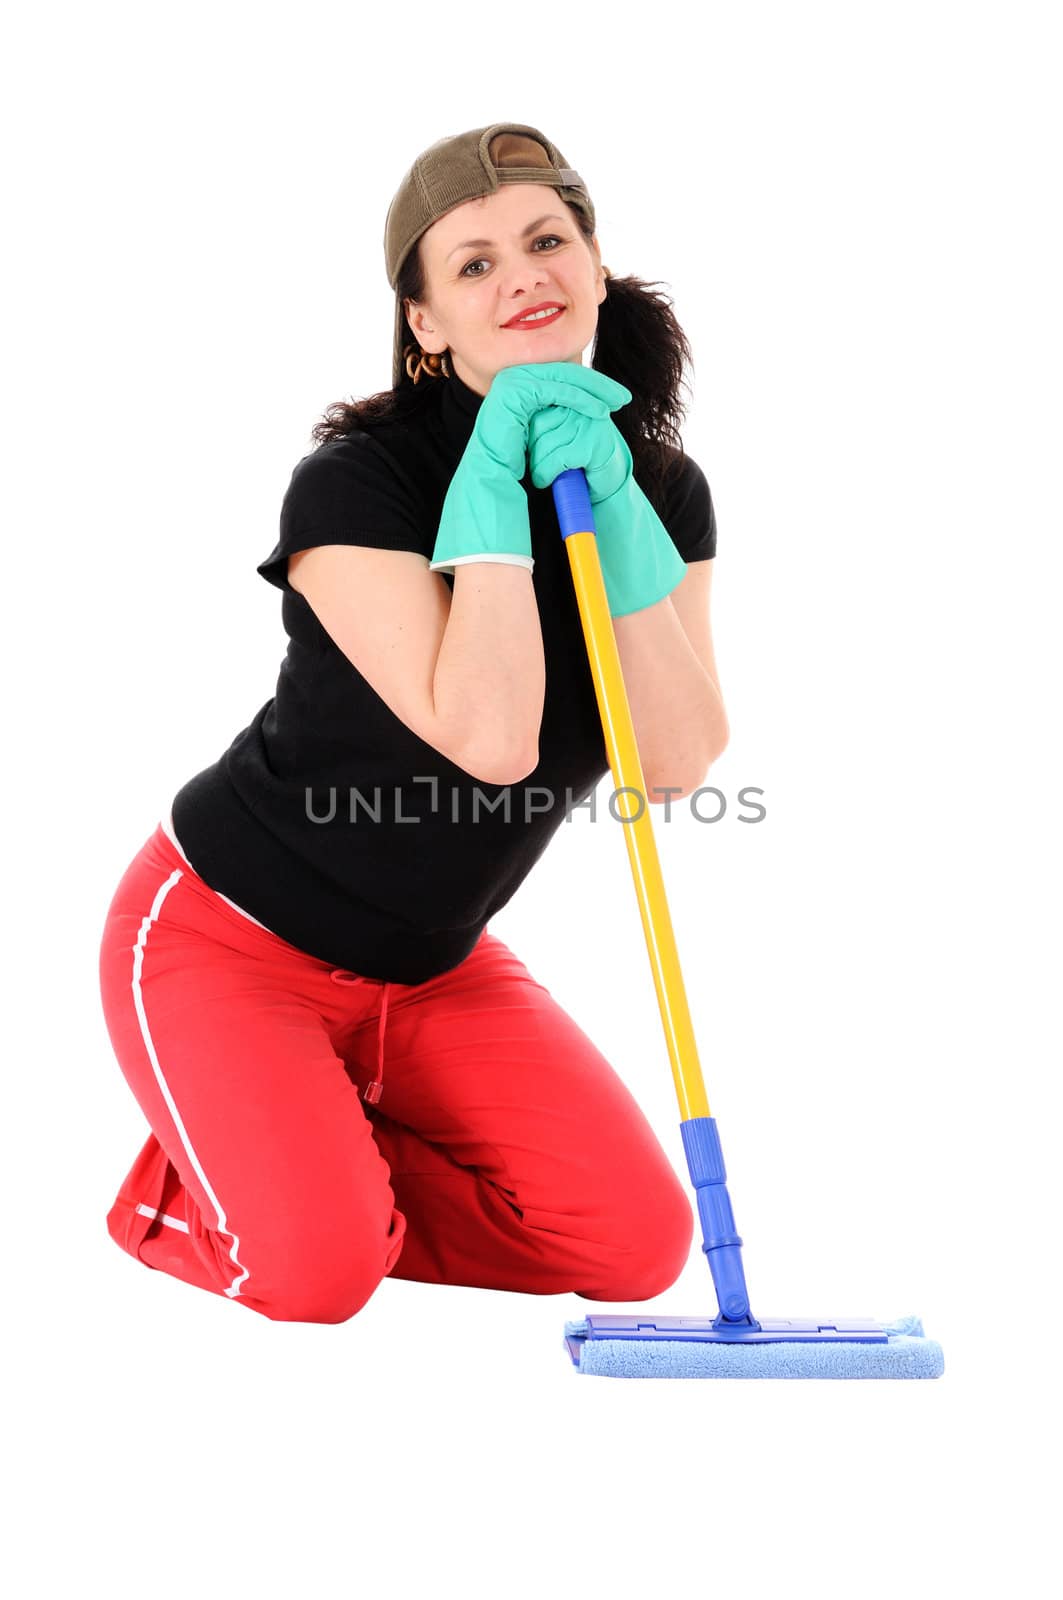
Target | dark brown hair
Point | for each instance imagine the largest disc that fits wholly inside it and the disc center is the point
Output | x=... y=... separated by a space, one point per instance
x=638 y=342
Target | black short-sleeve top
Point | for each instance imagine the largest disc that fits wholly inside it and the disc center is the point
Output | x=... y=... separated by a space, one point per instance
x=331 y=821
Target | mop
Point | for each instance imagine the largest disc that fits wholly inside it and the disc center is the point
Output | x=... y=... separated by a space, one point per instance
x=734 y=1343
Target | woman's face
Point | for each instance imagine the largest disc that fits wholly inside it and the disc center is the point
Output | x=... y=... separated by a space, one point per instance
x=473 y=289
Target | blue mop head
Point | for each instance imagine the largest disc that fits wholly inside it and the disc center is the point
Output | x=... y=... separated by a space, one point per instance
x=889 y=1350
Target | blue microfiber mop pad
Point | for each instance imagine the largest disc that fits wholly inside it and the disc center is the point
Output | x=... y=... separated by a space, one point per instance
x=906 y=1353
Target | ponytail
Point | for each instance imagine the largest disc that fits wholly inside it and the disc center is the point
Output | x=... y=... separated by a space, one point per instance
x=641 y=344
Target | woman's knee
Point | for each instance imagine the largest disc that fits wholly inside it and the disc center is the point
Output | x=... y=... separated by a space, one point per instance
x=328 y=1286
x=310 y=1302
x=658 y=1230
x=306 y=1295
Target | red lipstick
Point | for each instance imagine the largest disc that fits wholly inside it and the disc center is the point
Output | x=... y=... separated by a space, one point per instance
x=539 y=322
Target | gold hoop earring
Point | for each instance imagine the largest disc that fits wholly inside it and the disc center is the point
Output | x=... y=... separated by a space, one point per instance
x=432 y=363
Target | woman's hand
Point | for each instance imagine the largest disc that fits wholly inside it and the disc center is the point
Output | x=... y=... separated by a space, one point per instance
x=485 y=512
x=517 y=394
x=640 y=563
x=561 y=438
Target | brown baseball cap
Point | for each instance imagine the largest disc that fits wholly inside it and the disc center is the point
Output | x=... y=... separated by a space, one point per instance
x=461 y=168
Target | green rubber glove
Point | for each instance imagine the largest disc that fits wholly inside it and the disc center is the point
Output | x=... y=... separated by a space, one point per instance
x=640 y=563
x=485 y=512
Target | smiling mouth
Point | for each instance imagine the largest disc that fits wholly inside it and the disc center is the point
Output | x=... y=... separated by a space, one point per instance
x=537 y=322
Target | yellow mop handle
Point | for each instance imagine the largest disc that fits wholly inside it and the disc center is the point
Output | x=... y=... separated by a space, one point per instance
x=633 y=804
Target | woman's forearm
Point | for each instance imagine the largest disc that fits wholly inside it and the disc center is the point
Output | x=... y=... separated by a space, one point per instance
x=490 y=675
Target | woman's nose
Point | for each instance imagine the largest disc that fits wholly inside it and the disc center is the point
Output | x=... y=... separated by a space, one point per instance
x=527 y=276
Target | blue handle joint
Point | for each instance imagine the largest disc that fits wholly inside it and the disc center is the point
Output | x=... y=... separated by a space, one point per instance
x=572 y=502
x=723 y=1245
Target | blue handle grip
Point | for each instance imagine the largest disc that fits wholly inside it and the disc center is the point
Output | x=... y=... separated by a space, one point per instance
x=573 y=502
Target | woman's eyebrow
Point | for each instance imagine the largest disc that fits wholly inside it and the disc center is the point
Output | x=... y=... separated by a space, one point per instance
x=479 y=244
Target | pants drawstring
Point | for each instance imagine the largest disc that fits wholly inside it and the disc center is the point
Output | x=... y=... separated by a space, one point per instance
x=376 y=1088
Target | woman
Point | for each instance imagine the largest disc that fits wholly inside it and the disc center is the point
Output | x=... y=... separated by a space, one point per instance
x=325 y=886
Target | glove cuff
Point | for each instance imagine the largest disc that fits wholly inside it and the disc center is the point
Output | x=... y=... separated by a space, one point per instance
x=448 y=565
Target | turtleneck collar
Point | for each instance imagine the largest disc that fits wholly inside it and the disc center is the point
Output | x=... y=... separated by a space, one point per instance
x=459 y=401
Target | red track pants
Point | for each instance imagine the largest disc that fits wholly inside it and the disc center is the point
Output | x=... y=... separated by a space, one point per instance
x=503 y=1151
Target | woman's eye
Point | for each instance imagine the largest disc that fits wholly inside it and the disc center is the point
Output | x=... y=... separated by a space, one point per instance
x=544 y=238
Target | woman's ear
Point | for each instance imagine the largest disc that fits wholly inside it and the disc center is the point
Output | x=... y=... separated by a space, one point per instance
x=600 y=272
x=430 y=342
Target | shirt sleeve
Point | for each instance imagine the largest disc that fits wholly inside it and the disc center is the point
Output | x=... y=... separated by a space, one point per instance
x=687 y=512
x=348 y=491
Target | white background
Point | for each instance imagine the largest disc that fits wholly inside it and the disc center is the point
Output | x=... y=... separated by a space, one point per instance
x=852 y=208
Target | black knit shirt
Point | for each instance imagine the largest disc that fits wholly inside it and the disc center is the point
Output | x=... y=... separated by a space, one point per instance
x=327 y=818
